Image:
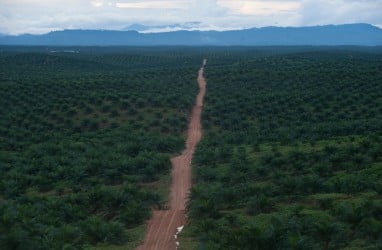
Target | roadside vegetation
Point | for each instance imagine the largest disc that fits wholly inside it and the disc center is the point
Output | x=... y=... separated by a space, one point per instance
x=85 y=143
x=291 y=155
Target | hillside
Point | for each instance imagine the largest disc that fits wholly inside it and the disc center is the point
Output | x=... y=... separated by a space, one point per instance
x=349 y=34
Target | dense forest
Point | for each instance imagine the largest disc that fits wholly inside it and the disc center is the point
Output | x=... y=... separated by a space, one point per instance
x=291 y=156
x=85 y=143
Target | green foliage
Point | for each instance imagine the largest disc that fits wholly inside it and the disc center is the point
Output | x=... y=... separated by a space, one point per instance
x=291 y=154
x=81 y=137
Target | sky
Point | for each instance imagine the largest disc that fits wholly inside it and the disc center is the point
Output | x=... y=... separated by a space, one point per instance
x=42 y=16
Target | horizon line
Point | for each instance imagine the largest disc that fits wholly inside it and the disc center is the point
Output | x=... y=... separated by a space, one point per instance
x=176 y=29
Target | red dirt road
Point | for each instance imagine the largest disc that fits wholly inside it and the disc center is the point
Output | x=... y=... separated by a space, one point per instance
x=164 y=223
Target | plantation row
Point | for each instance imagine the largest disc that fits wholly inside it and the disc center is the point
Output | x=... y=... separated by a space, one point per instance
x=85 y=145
x=291 y=156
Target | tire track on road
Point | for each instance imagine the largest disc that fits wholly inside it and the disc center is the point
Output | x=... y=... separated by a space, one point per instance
x=163 y=225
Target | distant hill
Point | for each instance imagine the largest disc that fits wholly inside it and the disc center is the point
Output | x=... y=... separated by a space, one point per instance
x=347 y=34
x=176 y=26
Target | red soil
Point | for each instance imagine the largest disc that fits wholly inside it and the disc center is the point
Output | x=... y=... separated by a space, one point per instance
x=164 y=223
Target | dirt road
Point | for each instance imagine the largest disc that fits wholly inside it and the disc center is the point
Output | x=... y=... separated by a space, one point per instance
x=163 y=225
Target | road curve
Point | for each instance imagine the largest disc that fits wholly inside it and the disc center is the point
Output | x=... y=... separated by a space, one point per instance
x=163 y=225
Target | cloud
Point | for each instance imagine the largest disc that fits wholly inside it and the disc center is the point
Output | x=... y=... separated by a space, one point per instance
x=152 y=5
x=40 y=16
x=340 y=11
x=97 y=3
x=241 y=7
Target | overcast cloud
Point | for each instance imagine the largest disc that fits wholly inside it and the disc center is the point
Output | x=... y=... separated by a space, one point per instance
x=41 y=16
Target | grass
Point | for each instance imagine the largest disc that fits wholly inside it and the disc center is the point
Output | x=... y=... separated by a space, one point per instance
x=135 y=238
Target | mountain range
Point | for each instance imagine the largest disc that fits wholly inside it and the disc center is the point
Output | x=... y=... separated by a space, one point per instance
x=331 y=35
